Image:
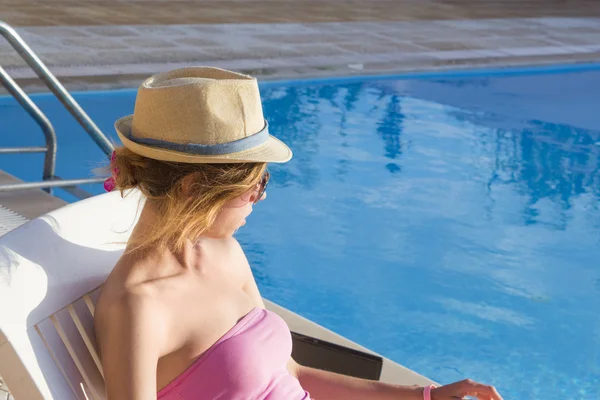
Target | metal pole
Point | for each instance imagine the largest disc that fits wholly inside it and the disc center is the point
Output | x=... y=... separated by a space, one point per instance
x=55 y=86
x=48 y=184
x=19 y=150
x=39 y=117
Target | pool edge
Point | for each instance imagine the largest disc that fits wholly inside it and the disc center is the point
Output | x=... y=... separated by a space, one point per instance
x=467 y=71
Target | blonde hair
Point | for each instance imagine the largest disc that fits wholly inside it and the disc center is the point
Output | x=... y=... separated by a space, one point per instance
x=187 y=198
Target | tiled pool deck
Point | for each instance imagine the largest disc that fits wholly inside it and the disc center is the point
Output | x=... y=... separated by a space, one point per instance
x=126 y=12
x=107 y=44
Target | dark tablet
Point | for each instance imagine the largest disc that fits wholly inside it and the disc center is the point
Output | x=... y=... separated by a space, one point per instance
x=328 y=356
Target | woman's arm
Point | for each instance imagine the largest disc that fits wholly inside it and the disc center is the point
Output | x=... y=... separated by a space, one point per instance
x=324 y=385
x=331 y=386
x=130 y=343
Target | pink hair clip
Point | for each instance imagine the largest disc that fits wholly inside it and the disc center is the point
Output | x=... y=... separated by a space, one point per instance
x=109 y=184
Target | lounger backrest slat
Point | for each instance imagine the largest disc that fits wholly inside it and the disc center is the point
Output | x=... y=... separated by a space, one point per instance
x=51 y=269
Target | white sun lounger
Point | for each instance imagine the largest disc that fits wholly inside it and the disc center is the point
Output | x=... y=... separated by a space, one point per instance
x=47 y=268
x=50 y=269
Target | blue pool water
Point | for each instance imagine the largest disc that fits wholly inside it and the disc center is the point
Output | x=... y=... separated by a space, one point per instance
x=449 y=223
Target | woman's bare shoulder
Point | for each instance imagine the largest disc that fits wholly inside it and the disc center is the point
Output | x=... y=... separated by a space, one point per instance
x=124 y=304
x=123 y=300
x=137 y=312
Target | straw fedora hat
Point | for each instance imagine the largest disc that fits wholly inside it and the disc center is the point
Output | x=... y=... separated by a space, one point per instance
x=200 y=115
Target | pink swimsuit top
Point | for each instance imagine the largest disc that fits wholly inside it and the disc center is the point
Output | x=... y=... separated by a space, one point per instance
x=248 y=363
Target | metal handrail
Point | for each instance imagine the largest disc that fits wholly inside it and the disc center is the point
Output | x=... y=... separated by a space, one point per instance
x=39 y=117
x=55 y=86
x=49 y=184
x=20 y=150
x=50 y=180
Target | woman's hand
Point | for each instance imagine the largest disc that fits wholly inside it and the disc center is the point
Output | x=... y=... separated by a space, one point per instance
x=459 y=390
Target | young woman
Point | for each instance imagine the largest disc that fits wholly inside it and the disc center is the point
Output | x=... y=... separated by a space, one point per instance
x=180 y=317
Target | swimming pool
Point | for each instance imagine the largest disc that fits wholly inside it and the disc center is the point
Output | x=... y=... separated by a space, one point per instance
x=450 y=223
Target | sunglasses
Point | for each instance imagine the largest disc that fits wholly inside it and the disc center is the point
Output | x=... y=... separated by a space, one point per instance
x=262 y=186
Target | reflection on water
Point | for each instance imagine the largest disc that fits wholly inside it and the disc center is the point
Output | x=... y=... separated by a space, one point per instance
x=541 y=159
x=547 y=159
x=458 y=238
x=389 y=128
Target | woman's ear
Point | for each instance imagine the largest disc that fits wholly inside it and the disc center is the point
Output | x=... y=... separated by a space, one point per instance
x=186 y=184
